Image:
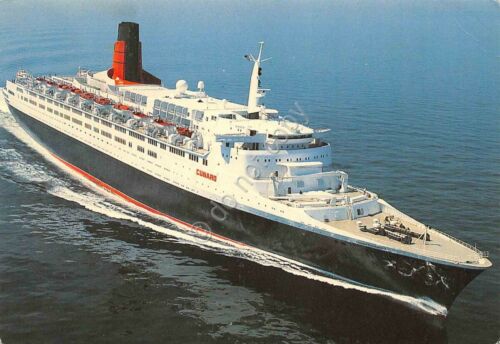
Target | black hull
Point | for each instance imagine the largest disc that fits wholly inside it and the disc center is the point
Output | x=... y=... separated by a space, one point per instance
x=401 y=274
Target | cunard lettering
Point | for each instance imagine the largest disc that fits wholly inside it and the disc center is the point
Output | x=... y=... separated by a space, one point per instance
x=207 y=175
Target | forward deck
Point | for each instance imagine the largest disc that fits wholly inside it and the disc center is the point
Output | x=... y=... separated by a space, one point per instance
x=440 y=245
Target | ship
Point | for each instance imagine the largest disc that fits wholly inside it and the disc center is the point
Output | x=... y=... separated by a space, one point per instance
x=238 y=173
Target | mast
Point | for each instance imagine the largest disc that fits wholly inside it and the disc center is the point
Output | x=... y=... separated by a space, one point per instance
x=256 y=93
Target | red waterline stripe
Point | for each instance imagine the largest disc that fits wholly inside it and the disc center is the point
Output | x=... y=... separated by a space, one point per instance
x=139 y=204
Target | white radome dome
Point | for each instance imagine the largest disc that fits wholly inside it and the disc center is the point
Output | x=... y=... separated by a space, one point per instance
x=181 y=86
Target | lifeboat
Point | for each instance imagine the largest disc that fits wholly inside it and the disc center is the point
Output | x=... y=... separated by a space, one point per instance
x=122 y=107
x=139 y=114
x=163 y=122
x=184 y=131
x=87 y=95
x=103 y=101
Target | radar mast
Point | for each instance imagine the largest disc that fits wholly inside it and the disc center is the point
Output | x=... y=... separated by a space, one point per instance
x=256 y=93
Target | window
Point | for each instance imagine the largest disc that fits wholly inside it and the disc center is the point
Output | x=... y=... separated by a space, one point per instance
x=120 y=129
x=205 y=162
x=120 y=140
x=74 y=120
x=106 y=123
x=96 y=130
x=88 y=126
x=163 y=146
x=78 y=112
x=41 y=106
x=136 y=135
x=152 y=142
x=193 y=157
x=289 y=137
x=198 y=115
x=177 y=151
x=140 y=149
x=152 y=154
x=105 y=134
x=360 y=211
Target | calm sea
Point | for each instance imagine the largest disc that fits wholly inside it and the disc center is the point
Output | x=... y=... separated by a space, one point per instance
x=411 y=92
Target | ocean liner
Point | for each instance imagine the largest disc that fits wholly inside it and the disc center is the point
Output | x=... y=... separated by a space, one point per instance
x=242 y=174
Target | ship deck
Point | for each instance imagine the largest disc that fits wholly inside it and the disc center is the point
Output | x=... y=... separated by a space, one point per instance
x=440 y=246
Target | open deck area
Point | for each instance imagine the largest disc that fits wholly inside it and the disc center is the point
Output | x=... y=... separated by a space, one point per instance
x=439 y=246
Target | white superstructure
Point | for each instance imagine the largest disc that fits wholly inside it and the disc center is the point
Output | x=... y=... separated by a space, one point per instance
x=242 y=156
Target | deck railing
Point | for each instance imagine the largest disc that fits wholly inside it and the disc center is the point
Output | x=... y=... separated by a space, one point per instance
x=482 y=254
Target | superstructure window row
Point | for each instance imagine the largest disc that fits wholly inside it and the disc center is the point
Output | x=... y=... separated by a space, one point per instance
x=152 y=154
x=172 y=113
x=120 y=129
x=137 y=136
x=289 y=137
x=135 y=98
x=120 y=140
x=177 y=151
x=106 y=134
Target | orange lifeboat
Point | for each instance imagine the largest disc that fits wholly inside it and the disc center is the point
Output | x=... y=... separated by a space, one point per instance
x=102 y=101
x=87 y=95
x=184 y=131
x=122 y=107
x=163 y=122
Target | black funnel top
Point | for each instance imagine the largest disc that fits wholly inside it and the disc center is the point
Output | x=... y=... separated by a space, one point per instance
x=129 y=32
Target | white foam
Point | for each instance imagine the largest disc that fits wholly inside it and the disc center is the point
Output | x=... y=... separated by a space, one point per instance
x=105 y=203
